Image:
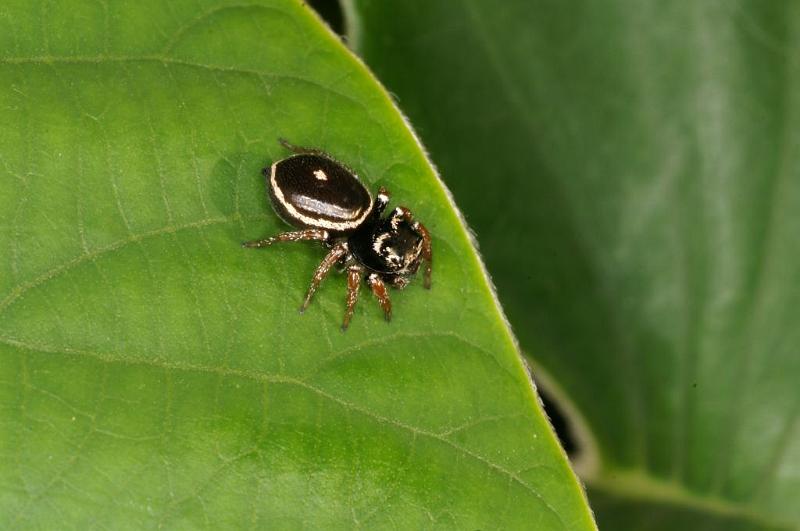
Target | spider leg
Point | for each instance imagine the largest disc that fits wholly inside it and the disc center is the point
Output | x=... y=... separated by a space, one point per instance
x=300 y=150
x=399 y=282
x=294 y=236
x=353 y=284
x=379 y=290
x=381 y=201
x=322 y=271
x=427 y=252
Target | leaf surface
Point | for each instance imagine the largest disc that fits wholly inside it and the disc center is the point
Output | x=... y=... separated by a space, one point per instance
x=631 y=170
x=154 y=373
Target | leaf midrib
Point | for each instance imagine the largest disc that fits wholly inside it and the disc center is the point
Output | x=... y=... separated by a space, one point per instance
x=19 y=290
x=638 y=485
x=270 y=378
x=166 y=61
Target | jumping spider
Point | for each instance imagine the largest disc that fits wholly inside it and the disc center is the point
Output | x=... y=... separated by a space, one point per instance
x=322 y=197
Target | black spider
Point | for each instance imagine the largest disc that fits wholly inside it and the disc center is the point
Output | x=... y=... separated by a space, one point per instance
x=314 y=192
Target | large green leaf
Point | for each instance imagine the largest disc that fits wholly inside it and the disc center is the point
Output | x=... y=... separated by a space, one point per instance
x=631 y=170
x=154 y=373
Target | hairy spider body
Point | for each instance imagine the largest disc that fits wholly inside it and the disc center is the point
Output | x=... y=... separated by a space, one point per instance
x=322 y=197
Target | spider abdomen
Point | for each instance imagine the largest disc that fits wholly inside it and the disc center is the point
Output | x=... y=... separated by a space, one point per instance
x=312 y=191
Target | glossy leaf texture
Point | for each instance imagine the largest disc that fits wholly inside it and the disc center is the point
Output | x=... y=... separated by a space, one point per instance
x=631 y=170
x=155 y=374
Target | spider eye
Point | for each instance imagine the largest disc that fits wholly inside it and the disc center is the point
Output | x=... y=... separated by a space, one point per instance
x=391 y=256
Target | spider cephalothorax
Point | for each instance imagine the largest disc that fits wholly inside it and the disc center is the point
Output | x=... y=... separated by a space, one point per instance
x=313 y=192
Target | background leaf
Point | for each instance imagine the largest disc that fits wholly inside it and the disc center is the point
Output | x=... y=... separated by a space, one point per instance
x=631 y=170
x=156 y=374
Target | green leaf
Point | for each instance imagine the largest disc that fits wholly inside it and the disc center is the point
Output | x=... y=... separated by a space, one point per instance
x=154 y=373
x=631 y=170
